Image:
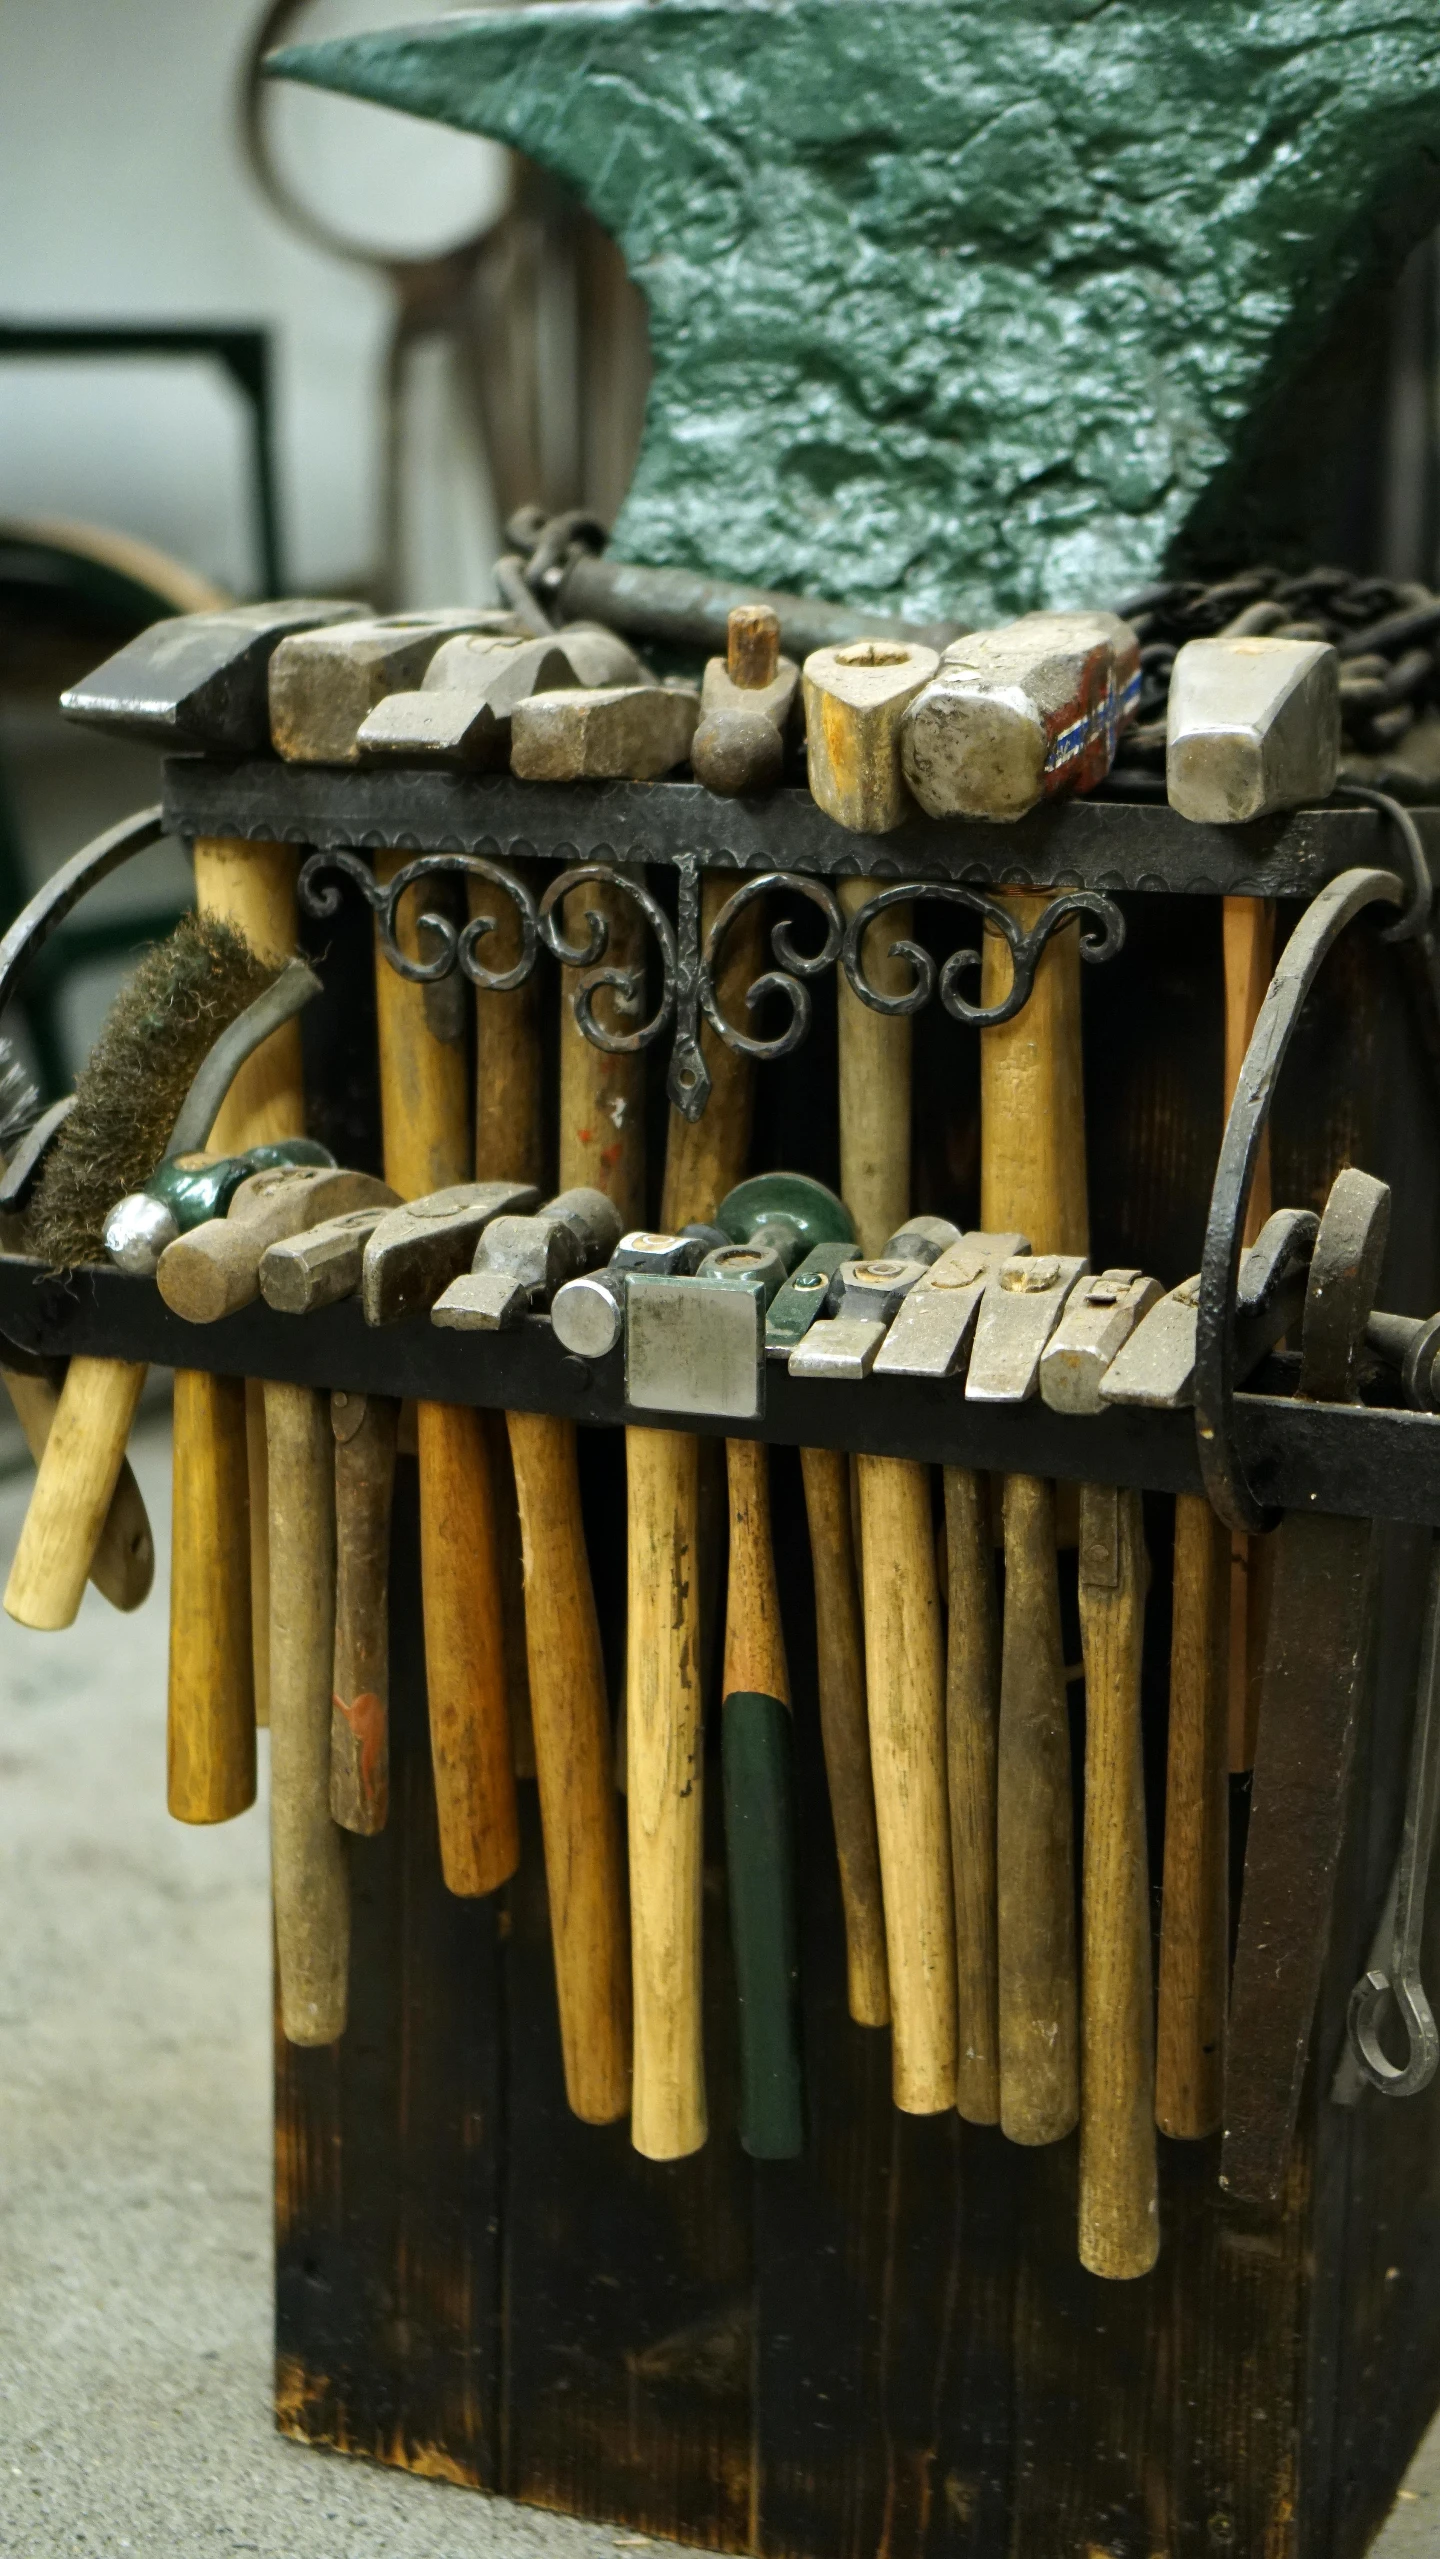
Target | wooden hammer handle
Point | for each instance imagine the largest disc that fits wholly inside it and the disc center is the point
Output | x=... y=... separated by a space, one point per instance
x=365 y=1429
x=123 y=1566
x=905 y=1685
x=1119 y=2214
x=1194 y=1909
x=845 y=1730
x=210 y=1747
x=665 y=1792
x=573 y=1765
x=465 y=1652
x=74 y=1487
x=1034 y=1839
x=308 y=1853
x=757 y=1758
x=972 y=1717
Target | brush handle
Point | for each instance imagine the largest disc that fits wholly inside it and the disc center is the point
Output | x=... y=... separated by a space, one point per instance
x=308 y=1853
x=365 y=1429
x=1195 y=1903
x=757 y=1759
x=905 y=1684
x=573 y=1764
x=972 y=1722
x=845 y=1730
x=665 y=1792
x=465 y=1652
x=123 y=1565
x=210 y=1725
x=74 y=1487
x=1119 y=2212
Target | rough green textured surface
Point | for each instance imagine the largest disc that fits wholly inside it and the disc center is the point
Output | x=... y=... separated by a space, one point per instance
x=956 y=307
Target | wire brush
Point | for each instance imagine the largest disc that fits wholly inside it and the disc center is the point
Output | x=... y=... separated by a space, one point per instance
x=184 y=993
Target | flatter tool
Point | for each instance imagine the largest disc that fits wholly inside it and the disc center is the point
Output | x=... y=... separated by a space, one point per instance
x=1316 y=1665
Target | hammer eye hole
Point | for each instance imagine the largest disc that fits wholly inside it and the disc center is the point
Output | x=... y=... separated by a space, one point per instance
x=871 y=653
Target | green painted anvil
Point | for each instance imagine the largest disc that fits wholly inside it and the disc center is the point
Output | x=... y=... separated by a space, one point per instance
x=956 y=308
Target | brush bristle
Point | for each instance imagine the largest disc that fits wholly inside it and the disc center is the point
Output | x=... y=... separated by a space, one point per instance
x=184 y=993
x=19 y=1102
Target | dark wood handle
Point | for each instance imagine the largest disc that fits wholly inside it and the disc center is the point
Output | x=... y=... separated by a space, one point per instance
x=1034 y=1837
x=210 y=1724
x=574 y=1768
x=1195 y=1904
x=364 y=1429
x=1119 y=2213
x=845 y=1730
x=905 y=1684
x=308 y=1852
x=665 y=1792
x=972 y=1720
x=757 y=1758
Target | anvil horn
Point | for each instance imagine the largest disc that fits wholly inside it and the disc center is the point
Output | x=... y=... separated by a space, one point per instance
x=954 y=309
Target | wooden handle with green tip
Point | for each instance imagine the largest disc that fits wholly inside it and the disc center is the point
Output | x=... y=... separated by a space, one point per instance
x=1194 y=1907
x=905 y=1685
x=845 y=1732
x=123 y=1565
x=573 y=1765
x=425 y=1118
x=365 y=1428
x=1119 y=2210
x=757 y=1758
x=665 y=1792
x=309 y=1865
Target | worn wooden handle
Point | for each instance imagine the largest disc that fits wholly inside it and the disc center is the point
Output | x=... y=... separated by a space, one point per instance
x=845 y=1730
x=123 y=1565
x=1034 y=1840
x=365 y=1429
x=1194 y=1910
x=905 y=1686
x=210 y=1724
x=1119 y=2212
x=665 y=1792
x=74 y=1487
x=705 y=1158
x=573 y=1766
x=308 y=1853
x=874 y=1080
x=465 y=1652
x=757 y=1760
x=972 y=1717
x=602 y=1095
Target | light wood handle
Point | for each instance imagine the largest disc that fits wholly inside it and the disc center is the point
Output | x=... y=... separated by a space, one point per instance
x=665 y=1792
x=845 y=1730
x=1195 y=1904
x=210 y=1724
x=465 y=1652
x=573 y=1764
x=757 y=1758
x=1119 y=2212
x=123 y=1565
x=365 y=1429
x=74 y=1487
x=905 y=1686
x=308 y=1853
x=874 y=1079
x=259 y=1471
x=424 y=1105
x=972 y=1719
x=1034 y=1834
x=509 y=1079
x=602 y=1098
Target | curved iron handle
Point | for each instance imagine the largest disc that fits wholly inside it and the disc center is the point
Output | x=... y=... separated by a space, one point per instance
x=84 y=871
x=1321 y=925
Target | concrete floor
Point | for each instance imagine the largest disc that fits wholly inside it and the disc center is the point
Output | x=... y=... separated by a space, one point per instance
x=135 y=2269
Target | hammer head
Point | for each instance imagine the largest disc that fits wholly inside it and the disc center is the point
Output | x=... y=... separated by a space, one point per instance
x=198 y=682
x=420 y=1248
x=323 y=684
x=520 y=1262
x=1253 y=726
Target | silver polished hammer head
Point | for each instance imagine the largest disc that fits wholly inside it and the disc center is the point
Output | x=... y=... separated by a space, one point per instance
x=1254 y=726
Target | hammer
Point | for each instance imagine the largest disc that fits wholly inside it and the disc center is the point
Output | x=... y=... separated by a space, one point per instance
x=519 y=1263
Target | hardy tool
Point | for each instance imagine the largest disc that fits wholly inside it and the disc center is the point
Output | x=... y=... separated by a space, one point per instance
x=698 y=1344
x=519 y=1263
x=1315 y=1668
x=462 y=714
x=409 y=1259
x=123 y=1566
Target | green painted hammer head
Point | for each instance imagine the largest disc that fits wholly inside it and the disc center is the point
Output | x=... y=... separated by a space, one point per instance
x=787 y=1211
x=955 y=309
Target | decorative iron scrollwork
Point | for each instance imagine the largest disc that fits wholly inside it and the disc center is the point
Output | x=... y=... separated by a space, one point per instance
x=1025 y=948
x=688 y=972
